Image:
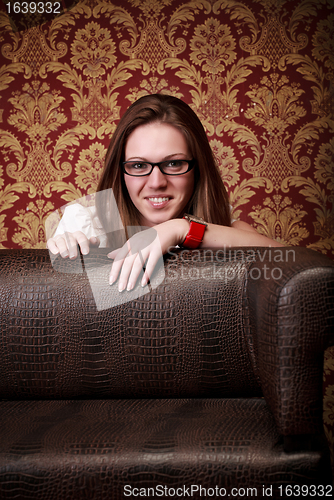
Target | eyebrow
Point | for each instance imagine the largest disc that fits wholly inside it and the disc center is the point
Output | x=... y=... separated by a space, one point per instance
x=168 y=157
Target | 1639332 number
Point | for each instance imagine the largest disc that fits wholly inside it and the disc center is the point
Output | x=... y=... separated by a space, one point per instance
x=308 y=491
x=34 y=8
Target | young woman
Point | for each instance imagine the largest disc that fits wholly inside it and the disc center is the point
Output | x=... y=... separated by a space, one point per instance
x=159 y=166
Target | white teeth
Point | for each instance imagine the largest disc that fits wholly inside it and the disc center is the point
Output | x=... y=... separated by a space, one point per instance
x=158 y=200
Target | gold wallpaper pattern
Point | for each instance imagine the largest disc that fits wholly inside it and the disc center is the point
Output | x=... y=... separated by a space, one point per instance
x=242 y=66
x=259 y=74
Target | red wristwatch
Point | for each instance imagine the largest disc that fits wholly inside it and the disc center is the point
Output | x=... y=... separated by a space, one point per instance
x=196 y=231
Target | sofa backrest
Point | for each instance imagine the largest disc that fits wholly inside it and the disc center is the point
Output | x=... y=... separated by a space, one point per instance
x=188 y=337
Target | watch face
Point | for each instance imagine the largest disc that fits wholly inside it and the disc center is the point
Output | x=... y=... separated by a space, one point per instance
x=193 y=218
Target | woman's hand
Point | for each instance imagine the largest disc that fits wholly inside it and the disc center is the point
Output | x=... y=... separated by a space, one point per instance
x=67 y=244
x=144 y=250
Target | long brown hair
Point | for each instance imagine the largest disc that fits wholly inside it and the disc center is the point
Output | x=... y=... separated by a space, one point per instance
x=209 y=200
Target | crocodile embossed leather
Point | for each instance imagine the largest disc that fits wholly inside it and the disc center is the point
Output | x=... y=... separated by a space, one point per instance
x=208 y=380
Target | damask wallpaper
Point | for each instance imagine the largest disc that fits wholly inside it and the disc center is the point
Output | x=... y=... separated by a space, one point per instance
x=259 y=74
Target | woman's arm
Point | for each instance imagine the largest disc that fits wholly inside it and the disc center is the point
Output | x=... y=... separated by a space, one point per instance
x=239 y=234
x=128 y=263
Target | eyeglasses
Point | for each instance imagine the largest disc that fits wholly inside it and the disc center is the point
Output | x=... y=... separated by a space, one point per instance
x=170 y=167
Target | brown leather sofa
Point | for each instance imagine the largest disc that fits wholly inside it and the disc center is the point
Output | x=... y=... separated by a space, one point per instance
x=207 y=386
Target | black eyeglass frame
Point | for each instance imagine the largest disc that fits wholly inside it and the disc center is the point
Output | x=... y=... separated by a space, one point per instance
x=191 y=164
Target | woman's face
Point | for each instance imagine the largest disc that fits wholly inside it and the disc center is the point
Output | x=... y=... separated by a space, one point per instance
x=157 y=196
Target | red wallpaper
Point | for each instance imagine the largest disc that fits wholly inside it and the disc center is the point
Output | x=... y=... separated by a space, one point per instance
x=258 y=73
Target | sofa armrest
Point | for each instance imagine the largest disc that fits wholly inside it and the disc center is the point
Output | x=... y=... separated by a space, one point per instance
x=293 y=324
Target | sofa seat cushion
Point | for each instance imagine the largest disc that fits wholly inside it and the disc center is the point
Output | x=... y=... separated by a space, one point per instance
x=104 y=449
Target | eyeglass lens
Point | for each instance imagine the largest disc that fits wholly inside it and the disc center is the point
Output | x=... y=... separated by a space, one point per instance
x=171 y=167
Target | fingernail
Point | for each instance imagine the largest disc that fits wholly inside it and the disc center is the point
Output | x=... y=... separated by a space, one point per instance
x=93 y=240
x=85 y=252
x=121 y=287
x=144 y=282
x=129 y=287
x=111 y=280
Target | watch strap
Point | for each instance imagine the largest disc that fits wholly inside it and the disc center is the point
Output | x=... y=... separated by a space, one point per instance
x=195 y=234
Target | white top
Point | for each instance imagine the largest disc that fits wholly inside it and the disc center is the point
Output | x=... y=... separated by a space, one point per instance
x=79 y=218
x=76 y=217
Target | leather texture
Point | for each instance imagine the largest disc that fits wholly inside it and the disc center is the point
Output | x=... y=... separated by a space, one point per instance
x=93 y=449
x=293 y=325
x=184 y=339
x=167 y=387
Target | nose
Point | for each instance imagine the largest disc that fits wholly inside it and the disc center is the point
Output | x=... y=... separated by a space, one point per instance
x=157 y=178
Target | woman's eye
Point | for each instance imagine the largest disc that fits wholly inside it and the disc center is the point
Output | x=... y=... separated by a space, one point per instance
x=175 y=163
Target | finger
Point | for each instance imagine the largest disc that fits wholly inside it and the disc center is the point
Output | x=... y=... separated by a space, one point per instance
x=71 y=243
x=126 y=271
x=81 y=239
x=112 y=255
x=138 y=267
x=61 y=244
x=115 y=270
x=94 y=241
x=150 y=266
x=52 y=246
x=119 y=256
